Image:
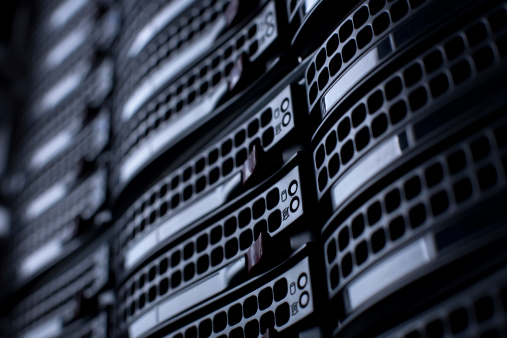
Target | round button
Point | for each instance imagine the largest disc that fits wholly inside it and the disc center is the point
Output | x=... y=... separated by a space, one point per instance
x=303 y=279
x=304 y=299
x=294 y=204
x=293 y=187
x=286 y=120
x=285 y=104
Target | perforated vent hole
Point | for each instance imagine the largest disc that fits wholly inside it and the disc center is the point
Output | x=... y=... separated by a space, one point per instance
x=381 y=23
x=347 y=152
x=163 y=286
x=230 y=226
x=239 y=138
x=266 y=117
x=252 y=329
x=152 y=294
x=188 y=251
x=487 y=177
x=349 y=50
x=189 y=272
x=357 y=226
x=345 y=30
x=378 y=240
x=346 y=265
x=267 y=321
x=458 y=320
x=483 y=58
x=330 y=142
x=250 y=306
x=234 y=314
x=480 y=148
x=245 y=239
x=216 y=234
x=358 y=115
x=399 y=10
x=418 y=98
x=360 y=17
x=323 y=78
x=434 y=174
x=331 y=251
x=217 y=256
x=374 y=213
x=175 y=279
x=417 y=215
x=332 y=45
x=476 y=34
x=375 y=101
x=376 y=5
x=282 y=314
x=231 y=248
x=163 y=265
x=364 y=36
x=202 y=264
x=498 y=19
x=393 y=88
x=219 y=322
x=274 y=220
x=335 y=64
x=272 y=198
x=392 y=200
x=343 y=238
x=397 y=228
x=253 y=127
x=260 y=227
x=280 y=289
x=412 y=74
x=379 y=125
x=175 y=258
x=361 y=253
x=205 y=328
x=398 y=111
x=321 y=58
x=334 y=165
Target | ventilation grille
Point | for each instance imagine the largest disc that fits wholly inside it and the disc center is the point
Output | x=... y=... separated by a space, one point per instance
x=221 y=242
x=57 y=225
x=80 y=143
x=49 y=66
x=441 y=188
x=277 y=304
x=66 y=58
x=362 y=29
x=479 y=311
x=54 y=21
x=193 y=87
x=420 y=85
x=264 y=129
x=174 y=38
x=210 y=169
x=84 y=86
x=194 y=18
x=57 y=299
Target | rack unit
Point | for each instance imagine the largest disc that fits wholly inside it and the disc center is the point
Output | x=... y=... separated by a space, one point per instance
x=267 y=168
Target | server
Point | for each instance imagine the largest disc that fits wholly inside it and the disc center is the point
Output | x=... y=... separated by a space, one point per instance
x=228 y=168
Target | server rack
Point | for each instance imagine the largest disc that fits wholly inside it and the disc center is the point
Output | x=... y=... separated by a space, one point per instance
x=261 y=168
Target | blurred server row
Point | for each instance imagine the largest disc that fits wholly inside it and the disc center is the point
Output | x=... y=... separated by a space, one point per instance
x=230 y=168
